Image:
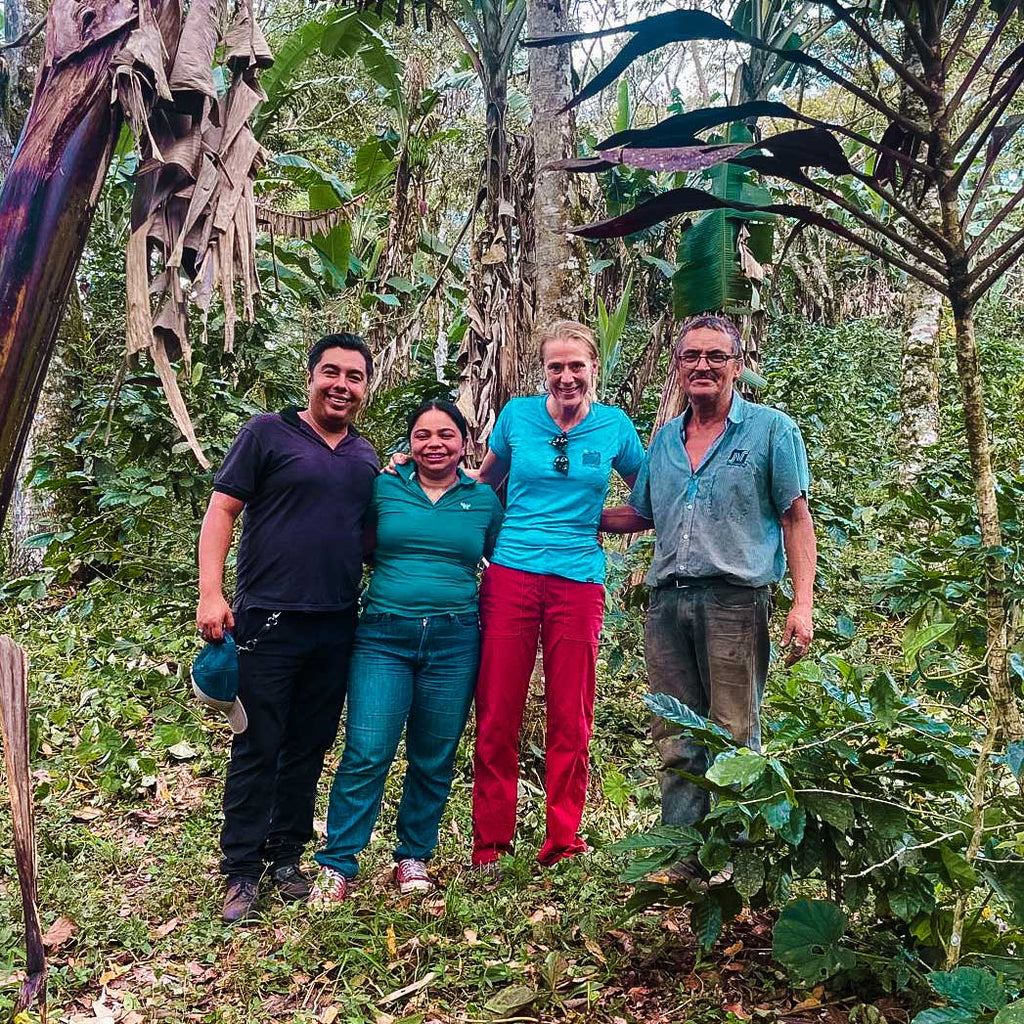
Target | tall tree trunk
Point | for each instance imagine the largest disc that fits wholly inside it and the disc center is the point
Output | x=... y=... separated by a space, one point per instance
x=919 y=379
x=1003 y=699
x=47 y=205
x=919 y=376
x=559 y=288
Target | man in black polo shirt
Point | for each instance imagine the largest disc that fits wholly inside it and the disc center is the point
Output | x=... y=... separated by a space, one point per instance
x=304 y=478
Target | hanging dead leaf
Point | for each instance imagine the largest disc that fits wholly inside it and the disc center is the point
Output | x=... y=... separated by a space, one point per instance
x=59 y=932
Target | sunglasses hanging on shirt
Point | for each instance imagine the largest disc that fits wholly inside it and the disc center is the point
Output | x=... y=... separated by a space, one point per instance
x=560 y=442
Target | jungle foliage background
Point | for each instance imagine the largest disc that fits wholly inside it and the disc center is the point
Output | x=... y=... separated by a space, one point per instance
x=876 y=870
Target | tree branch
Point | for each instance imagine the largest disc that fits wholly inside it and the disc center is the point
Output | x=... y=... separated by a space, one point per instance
x=979 y=61
x=961 y=36
x=869 y=40
x=998 y=109
x=996 y=220
x=998 y=266
x=908 y=213
x=915 y=270
x=26 y=37
x=888 y=233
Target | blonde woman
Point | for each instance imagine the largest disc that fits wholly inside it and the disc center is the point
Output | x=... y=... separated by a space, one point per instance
x=545 y=581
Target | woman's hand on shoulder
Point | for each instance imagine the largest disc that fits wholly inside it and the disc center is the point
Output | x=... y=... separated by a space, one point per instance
x=397 y=459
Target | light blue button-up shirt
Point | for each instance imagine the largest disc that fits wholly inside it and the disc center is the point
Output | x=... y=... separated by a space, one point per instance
x=723 y=519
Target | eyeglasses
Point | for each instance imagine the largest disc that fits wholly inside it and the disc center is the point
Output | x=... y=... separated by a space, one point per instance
x=716 y=358
x=560 y=442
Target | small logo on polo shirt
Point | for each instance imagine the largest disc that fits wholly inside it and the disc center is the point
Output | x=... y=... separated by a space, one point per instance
x=738 y=457
x=466 y=505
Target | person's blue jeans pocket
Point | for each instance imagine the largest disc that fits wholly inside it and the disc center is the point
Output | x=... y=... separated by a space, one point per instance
x=416 y=674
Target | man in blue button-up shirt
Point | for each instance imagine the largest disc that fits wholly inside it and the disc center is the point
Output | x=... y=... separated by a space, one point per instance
x=725 y=487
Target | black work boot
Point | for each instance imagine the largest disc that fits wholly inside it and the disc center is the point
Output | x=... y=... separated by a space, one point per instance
x=291 y=883
x=240 y=897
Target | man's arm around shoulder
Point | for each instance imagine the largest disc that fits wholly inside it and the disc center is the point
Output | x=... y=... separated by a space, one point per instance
x=213 y=615
x=802 y=556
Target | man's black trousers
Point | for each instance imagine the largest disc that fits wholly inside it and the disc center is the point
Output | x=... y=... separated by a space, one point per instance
x=292 y=685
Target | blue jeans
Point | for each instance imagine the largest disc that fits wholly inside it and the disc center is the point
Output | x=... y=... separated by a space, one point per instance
x=706 y=644
x=416 y=674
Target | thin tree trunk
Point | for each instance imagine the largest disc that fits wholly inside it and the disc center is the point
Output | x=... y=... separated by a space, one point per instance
x=559 y=289
x=46 y=208
x=1003 y=700
x=919 y=379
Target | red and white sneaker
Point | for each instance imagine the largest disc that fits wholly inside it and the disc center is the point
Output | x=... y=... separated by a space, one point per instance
x=411 y=876
x=330 y=887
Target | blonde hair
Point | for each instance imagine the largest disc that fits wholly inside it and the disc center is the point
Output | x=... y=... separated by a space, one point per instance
x=570 y=330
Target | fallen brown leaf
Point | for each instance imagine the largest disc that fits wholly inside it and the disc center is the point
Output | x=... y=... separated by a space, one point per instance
x=59 y=932
x=167 y=927
x=86 y=813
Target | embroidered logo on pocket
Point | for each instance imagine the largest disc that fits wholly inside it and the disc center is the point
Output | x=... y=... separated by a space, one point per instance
x=738 y=457
x=592 y=458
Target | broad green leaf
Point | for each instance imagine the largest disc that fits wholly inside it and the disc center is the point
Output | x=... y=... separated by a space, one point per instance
x=787 y=819
x=845 y=626
x=969 y=988
x=888 y=821
x=1011 y=1014
x=836 y=810
x=739 y=770
x=946 y=1015
x=912 y=895
x=714 y=854
x=914 y=642
x=702 y=729
x=510 y=1001
x=1015 y=758
x=961 y=874
x=668 y=269
x=666 y=837
x=748 y=871
x=623 y=107
x=706 y=921
x=806 y=941
x=885 y=701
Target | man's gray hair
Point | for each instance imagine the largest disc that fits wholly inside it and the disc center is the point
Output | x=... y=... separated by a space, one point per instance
x=712 y=322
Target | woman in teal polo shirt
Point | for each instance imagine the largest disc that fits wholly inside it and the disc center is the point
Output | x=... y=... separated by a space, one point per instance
x=416 y=652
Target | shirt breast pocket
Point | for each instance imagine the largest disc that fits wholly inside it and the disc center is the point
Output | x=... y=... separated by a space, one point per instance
x=735 y=490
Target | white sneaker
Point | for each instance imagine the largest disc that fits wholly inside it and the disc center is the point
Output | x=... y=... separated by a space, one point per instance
x=411 y=876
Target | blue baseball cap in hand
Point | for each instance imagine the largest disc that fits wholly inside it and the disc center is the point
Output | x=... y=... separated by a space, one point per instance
x=215 y=681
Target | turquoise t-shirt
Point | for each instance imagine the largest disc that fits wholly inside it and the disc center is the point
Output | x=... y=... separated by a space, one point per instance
x=427 y=554
x=551 y=519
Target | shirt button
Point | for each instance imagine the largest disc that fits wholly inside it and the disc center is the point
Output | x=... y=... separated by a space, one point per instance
x=689 y=506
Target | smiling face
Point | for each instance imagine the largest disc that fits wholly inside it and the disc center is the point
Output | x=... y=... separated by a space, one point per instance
x=570 y=370
x=703 y=382
x=337 y=387
x=437 y=445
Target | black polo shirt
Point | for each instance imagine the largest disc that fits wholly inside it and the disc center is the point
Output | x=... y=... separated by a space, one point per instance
x=301 y=546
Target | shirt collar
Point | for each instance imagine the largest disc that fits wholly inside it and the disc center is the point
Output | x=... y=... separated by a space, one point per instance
x=737 y=410
x=407 y=471
x=290 y=414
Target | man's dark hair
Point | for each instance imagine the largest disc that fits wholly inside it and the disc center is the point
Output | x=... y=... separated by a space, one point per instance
x=441 y=405
x=713 y=322
x=352 y=342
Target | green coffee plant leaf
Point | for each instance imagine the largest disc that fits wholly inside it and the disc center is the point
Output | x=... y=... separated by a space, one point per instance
x=889 y=821
x=738 y=770
x=714 y=854
x=958 y=869
x=706 y=921
x=806 y=941
x=1015 y=758
x=674 y=837
x=835 y=810
x=946 y=1015
x=969 y=988
x=914 y=642
x=1011 y=1014
x=748 y=871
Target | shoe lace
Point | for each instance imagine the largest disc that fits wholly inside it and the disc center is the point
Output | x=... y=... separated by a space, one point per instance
x=412 y=869
x=243 y=887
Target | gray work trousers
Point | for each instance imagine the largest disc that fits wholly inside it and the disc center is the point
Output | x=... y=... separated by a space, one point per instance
x=706 y=643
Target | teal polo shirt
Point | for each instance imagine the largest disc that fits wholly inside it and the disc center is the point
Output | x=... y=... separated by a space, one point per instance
x=552 y=518
x=427 y=554
x=723 y=519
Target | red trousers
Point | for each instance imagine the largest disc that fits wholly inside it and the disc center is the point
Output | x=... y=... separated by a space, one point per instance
x=515 y=607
